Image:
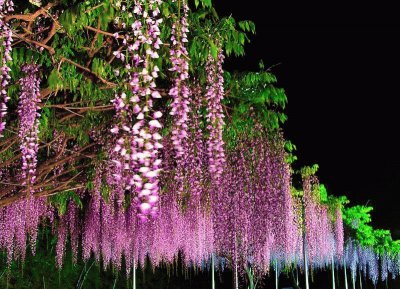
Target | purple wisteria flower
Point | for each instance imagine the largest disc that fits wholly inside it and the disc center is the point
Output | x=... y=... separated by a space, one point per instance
x=138 y=141
x=215 y=114
x=6 y=6
x=28 y=107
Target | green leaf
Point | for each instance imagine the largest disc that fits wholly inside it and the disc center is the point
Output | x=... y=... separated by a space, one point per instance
x=213 y=49
x=206 y=3
x=54 y=81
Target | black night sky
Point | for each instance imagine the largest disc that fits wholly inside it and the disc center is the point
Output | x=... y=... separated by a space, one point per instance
x=340 y=69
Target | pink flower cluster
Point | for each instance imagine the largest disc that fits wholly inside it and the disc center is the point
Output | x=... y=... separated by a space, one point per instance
x=18 y=221
x=215 y=115
x=339 y=233
x=69 y=222
x=324 y=239
x=111 y=234
x=253 y=212
x=6 y=6
x=29 y=122
x=138 y=137
x=180 y=91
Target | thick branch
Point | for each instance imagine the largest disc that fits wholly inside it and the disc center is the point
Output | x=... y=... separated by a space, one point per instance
x=54 y=28
x=45 y=92
x=43 y=171
x=59 y=187
x=32 y=16
x=50 y=49
x=82 y=108
x=50 y=164
x=103 y=32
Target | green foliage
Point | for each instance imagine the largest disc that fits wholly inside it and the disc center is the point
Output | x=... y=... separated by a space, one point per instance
x=60 y=201
x=323 y=193
x=204 y=3
x=383 y=239
x=78 y=16
x=309 y=171
x=208 y=32
x=358 y=219
x=55 y=82
x=332 y=202
x=290 y=149
x=254 y=99
x=46 y=116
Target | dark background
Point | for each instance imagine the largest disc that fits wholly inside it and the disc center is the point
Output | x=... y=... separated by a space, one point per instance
x=339 y=65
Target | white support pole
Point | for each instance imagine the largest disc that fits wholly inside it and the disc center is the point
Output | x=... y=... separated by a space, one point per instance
x=333 y=273
x=134 y=274
x=361 y=286
x=353 y=279
x=276 y=275
x=236 y=273
x=305 y=257
x=345 y=273
x=306 y=264
x=236 y=276
x=212 y=271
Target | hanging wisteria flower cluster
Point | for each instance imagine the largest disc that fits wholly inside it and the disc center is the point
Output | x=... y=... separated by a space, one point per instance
x=180 y=91
x=138 y=137
x=365 y=261
x=319 y=231
x=215 y=114
x=253 y=208
x=22 y=217
x=237 y=222
x=6 y=6
x=28 y=108
x=111 y=235
x=339 y=233
x=69 y=222
x=18 y=221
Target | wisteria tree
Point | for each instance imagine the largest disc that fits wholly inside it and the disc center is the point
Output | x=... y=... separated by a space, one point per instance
x=112 y=125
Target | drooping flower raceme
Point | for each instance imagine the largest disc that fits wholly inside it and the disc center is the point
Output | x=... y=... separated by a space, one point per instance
x=29 y=122
x=318 y=229
x=339 y=233
x=253 y=211
x=180 y=91
x=6 y=6
x=138 y=141
x=215 y=115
